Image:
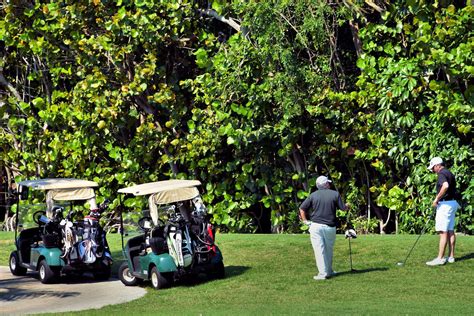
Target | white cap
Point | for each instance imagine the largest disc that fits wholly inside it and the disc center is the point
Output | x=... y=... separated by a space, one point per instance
x=435 y=161
x=322 y=180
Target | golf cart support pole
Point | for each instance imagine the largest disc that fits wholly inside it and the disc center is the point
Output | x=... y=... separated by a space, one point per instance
x=17 y=211
x=422 y=232
x=121 y=219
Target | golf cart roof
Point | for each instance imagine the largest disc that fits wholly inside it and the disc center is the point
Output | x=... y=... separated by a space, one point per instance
x=160 y=186
x=58 y=184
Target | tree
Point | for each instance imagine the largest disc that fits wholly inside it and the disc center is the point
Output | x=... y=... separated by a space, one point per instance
x=416 y=82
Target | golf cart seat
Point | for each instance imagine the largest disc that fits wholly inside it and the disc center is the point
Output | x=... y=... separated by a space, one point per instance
x=27 y=239
x=136 y=245
x=52 y=240
x=51 y=232
x=136 y=248
x=158 y=240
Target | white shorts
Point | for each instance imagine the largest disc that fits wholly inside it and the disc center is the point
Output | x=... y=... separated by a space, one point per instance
x=445 y=214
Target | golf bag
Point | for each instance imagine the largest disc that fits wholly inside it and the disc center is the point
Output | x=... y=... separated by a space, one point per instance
x=179 y=241
x=203 y=241
x=92 y=245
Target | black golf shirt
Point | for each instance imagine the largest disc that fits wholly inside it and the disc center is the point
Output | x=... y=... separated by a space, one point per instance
x=321 y=206
x=444 y=175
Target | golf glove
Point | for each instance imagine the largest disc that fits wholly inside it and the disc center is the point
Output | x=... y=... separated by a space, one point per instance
x=306 y=222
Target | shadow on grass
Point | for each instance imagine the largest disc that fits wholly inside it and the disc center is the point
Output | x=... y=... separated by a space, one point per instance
x=466 y=257
x=230 y=272
x=355 y=271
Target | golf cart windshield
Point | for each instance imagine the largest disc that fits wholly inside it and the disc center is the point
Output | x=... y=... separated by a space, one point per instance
x=164 y=192
x=63 y=190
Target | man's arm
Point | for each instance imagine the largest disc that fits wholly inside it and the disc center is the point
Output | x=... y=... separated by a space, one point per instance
x=303 y=217
x=441 y=193
x=341 y=205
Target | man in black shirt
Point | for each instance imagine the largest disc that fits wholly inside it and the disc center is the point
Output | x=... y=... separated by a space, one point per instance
x=446 y=207
x=321 y=206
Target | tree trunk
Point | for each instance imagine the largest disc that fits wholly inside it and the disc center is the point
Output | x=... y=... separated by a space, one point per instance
x=355 y=37
x=396 y=223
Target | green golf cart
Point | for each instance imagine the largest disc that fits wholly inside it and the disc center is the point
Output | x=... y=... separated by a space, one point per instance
x=57 y=244
x=176 y=239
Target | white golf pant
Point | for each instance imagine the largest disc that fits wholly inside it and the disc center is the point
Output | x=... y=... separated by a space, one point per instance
x=322 y=239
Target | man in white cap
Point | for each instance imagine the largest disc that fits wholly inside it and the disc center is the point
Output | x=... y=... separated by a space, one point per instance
x=446 y=207
x=321 y=206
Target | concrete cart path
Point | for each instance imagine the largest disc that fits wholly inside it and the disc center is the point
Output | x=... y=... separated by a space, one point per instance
x=27 y=295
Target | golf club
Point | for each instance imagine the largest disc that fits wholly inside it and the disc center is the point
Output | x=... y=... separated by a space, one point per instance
x=350 y=233
x=402 y=263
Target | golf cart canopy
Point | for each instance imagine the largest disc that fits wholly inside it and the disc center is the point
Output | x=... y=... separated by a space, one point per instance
x=164 y=192
x=58 y=183
x=62 y=189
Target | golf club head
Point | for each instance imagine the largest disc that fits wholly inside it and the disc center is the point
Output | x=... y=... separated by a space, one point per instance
x=350 y=233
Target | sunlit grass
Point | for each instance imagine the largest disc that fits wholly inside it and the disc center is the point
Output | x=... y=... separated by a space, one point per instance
x=272 y=274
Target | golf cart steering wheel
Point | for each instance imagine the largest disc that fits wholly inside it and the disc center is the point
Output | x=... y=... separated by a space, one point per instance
x=37 y=215
x=142 y=223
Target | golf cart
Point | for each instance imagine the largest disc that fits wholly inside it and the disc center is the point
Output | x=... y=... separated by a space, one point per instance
x=57 y=244
x=176 y=239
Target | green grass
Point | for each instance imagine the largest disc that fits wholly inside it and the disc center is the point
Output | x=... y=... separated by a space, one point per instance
x=272 y=274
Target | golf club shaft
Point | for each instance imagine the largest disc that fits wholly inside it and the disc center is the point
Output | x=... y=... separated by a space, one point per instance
x=422 y=232
x=350 y=252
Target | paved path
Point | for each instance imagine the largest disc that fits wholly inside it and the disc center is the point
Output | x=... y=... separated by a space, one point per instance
x=27 y=295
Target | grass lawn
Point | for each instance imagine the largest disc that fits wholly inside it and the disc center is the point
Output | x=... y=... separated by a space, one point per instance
x=272 y=274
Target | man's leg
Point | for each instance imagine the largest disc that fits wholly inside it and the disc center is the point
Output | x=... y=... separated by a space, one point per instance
x=452 y=242
x=330 y=239
x=451 y=235
x=443 y=213
x=443 y=241
x=317 y=241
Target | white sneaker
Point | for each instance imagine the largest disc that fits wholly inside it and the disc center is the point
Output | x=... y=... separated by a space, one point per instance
x=450 y=259
x=436 y=262
x=319 y=277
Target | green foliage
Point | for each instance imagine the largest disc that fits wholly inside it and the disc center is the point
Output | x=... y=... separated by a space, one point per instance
x=417 y=84
x=252 y=113
x=138 y=91
x=363 y=225
x=99 y=83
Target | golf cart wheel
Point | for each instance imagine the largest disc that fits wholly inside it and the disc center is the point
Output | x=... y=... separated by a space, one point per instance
x=158 y=281
x=126 y=276
x=219 y=271
x=15 y=267
x=46 y=273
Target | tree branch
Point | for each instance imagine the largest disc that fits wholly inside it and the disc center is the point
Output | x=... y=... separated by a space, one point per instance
x=9 y=86
x=374 y=6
